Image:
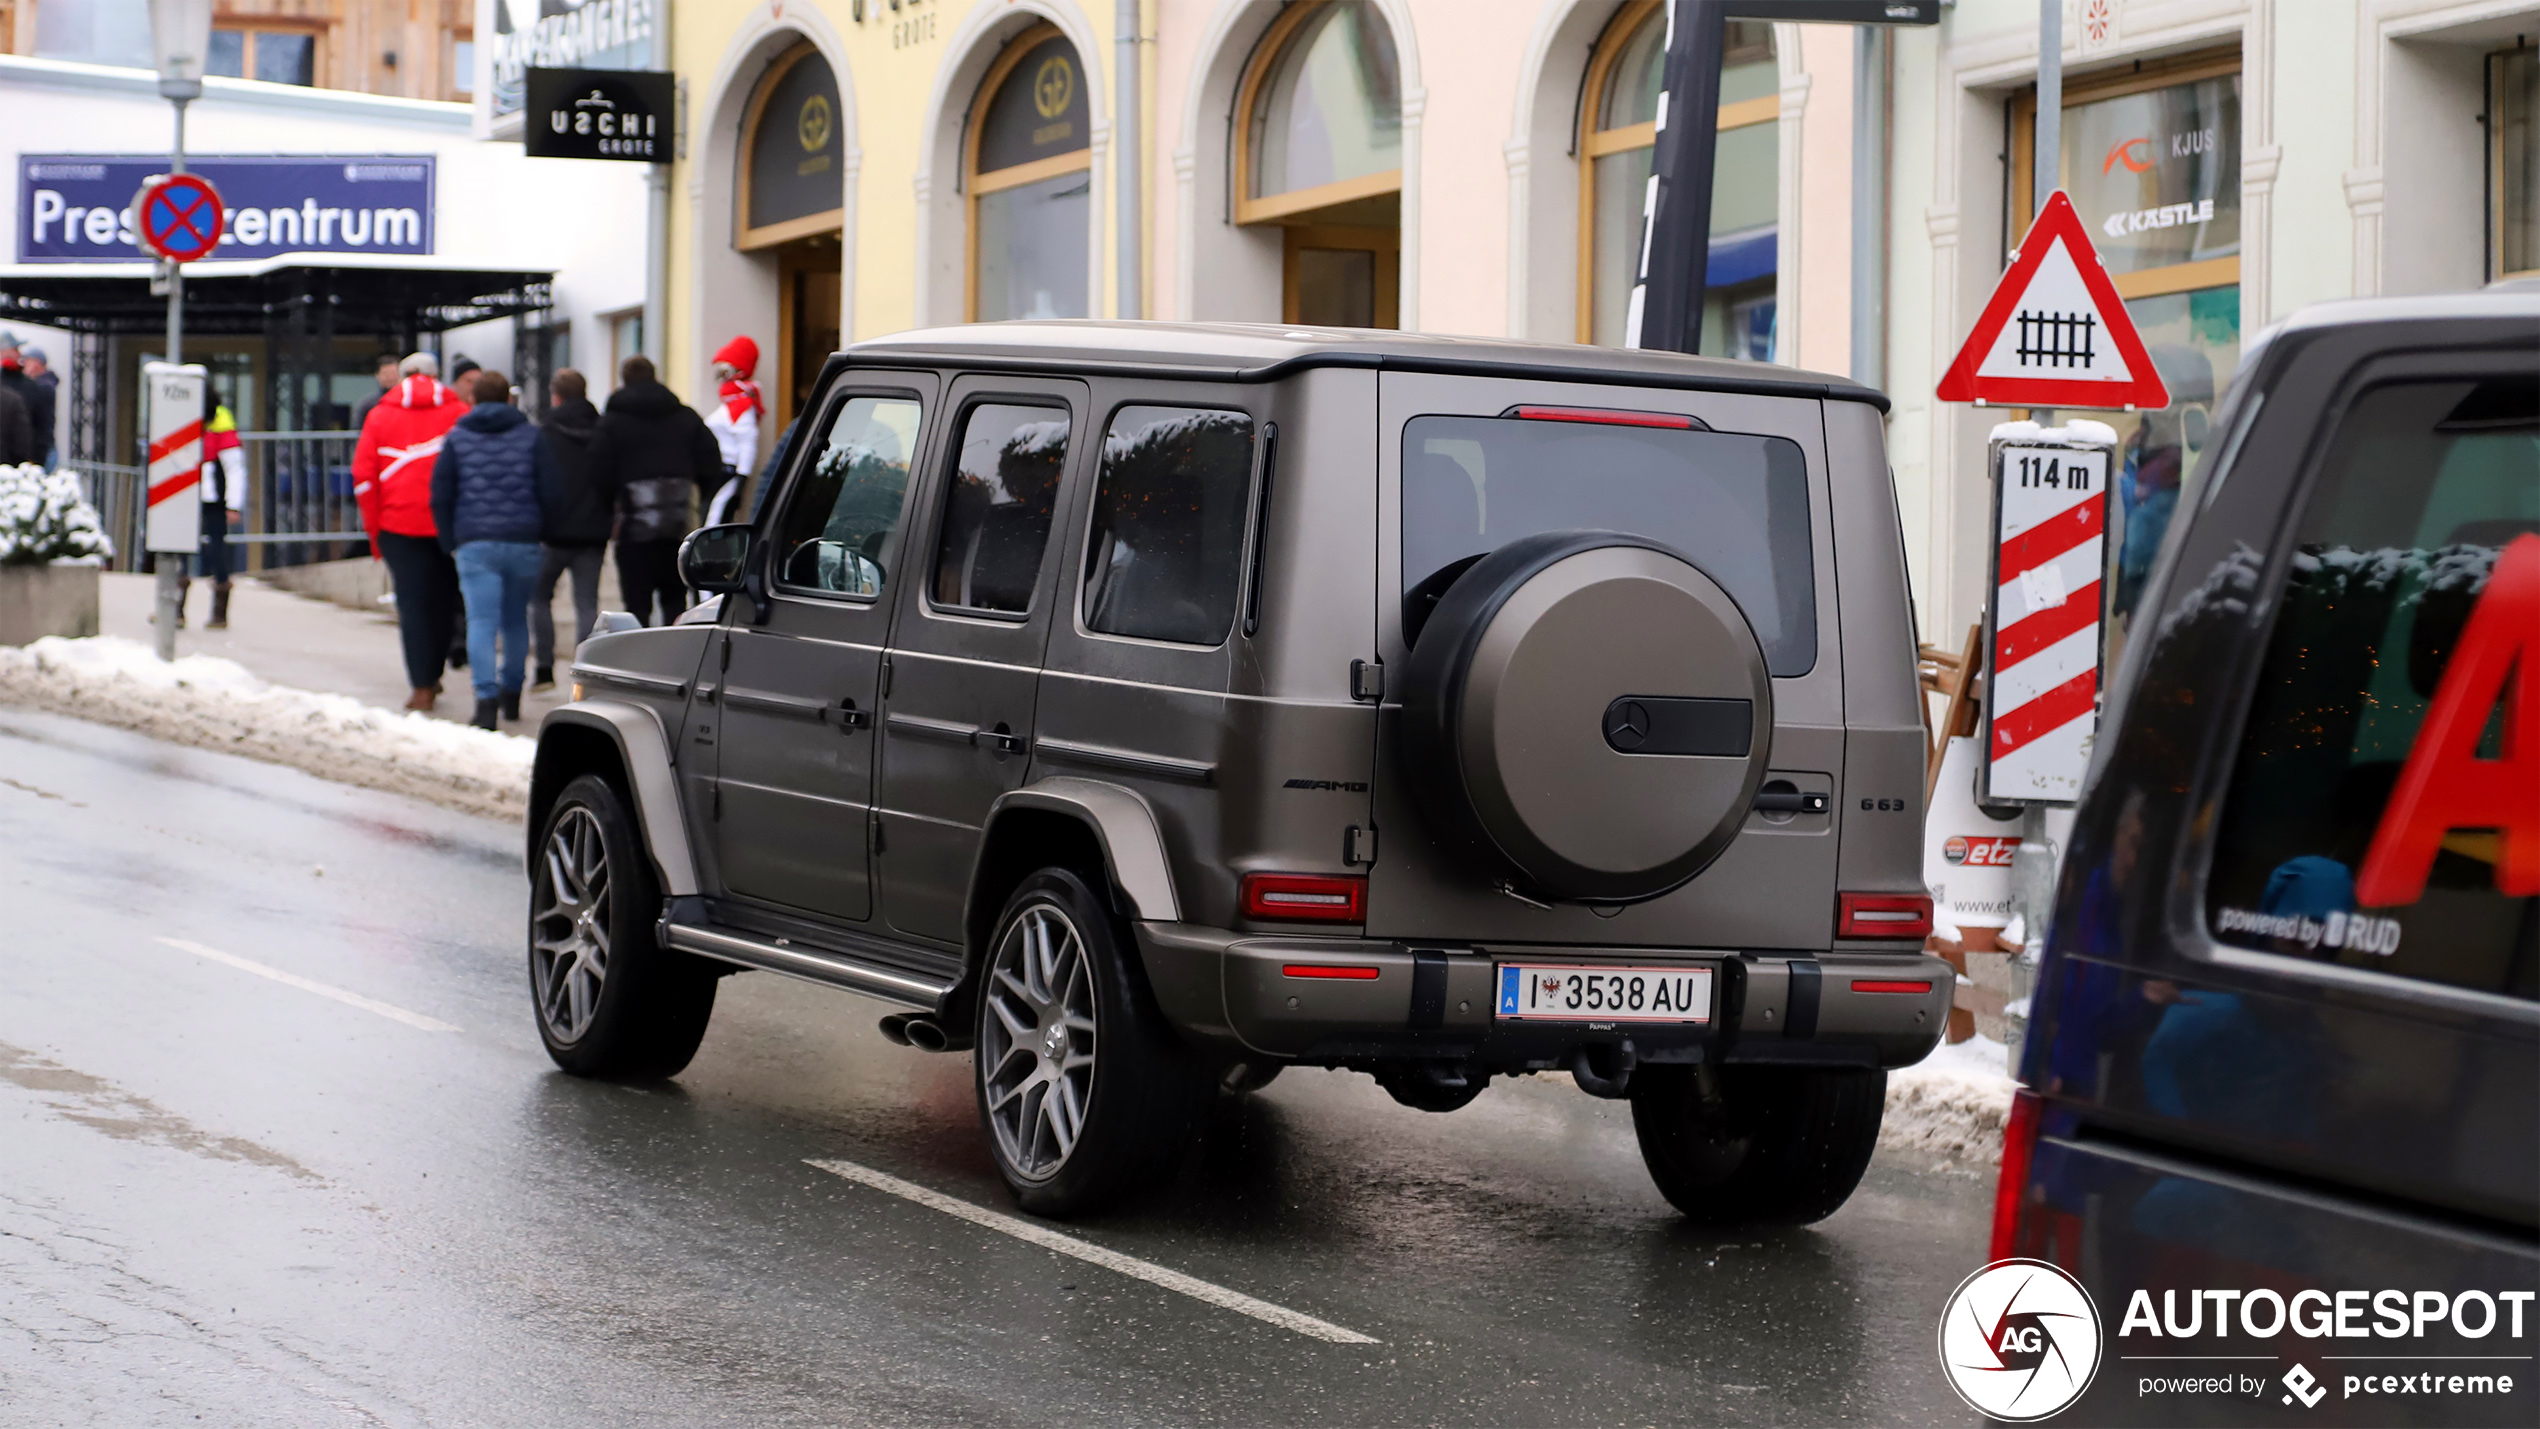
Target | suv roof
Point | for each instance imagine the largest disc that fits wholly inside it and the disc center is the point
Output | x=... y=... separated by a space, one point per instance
x=1263 y=352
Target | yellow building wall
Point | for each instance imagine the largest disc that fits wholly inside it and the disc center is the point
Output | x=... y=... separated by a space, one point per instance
x=892 y=60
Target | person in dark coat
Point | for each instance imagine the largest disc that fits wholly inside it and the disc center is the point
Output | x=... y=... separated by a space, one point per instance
x=17 y=431
x=578 y=522
x=37 y=398
x=652 y=456
x=488 y=503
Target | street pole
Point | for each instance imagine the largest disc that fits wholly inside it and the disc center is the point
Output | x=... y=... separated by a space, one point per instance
x=1130 y=300
x=2048 y=168
x=1675 y=250
x=180 y=33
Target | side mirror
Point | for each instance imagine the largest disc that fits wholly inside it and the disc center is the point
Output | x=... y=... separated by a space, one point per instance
x=713 y=561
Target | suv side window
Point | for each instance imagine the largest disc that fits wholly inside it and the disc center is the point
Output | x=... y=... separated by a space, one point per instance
x=998 y=505
x=2412 y=586
x=1165 y=554
x=842 y=513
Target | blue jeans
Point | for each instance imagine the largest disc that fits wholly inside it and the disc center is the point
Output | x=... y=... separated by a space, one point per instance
x=496 y=579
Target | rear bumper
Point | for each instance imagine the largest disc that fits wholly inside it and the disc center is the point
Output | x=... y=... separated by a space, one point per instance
x=1260 y=995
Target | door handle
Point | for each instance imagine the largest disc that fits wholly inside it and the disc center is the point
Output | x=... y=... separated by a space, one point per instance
x=1002 y=740
x=851 y=718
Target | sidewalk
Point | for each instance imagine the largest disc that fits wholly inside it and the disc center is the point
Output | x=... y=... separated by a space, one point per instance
x=311 y=644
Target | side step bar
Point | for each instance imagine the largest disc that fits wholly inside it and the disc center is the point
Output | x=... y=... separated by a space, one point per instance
x=829 y=969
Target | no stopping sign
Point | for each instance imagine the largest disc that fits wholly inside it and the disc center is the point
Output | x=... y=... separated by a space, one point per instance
x=178 y=216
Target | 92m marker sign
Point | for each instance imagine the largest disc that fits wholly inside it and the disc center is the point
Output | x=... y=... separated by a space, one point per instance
x=2055 y=333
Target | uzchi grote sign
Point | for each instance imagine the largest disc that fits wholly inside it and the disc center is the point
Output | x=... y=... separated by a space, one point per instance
x=599 y=114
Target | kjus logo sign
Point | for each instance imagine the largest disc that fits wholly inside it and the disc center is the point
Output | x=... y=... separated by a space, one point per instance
x=2019 y=1340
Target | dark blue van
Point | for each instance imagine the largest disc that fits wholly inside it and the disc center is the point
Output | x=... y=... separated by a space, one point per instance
x=2281 y=1112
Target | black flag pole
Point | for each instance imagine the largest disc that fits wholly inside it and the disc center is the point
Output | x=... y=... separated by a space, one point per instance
x=1675 y=248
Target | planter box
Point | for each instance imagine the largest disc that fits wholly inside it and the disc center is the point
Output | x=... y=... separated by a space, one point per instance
x=36 y=601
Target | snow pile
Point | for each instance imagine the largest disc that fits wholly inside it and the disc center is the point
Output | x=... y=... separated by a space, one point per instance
x=44 y=519
x=1952 y=1103
x=216 y=704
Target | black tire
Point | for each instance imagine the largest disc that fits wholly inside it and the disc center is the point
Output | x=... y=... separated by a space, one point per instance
x=1780 y=1146
x=652 y=1003
x=1130 y=1088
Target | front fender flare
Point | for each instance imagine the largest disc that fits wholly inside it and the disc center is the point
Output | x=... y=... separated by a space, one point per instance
x=1125 y=824
x=643 y=750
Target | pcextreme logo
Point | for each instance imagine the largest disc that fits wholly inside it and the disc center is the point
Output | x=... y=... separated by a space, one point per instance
x=2019 y=1340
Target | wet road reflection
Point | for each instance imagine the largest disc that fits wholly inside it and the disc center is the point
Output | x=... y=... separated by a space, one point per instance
x=227 y=1196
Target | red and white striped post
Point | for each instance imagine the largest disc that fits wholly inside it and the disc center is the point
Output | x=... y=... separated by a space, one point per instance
x=2042 y=628
x=172 y=421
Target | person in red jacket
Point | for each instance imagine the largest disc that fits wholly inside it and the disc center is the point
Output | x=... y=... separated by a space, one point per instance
x=392 y=478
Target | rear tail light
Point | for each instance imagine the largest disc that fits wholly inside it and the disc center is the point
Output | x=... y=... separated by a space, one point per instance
x=2019 y=1138
x=1874 y=984
x=1603 y=416
x=1342 y=971
x=1882 y=915
x=1305 y=897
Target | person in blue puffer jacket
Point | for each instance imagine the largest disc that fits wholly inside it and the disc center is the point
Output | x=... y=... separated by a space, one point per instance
x=491 y=487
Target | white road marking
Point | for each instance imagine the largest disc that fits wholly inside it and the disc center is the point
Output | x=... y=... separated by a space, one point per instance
x=349 y=999
x=1092 y=1254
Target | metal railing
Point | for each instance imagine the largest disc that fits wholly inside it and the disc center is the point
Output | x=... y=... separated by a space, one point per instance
x=300 y=505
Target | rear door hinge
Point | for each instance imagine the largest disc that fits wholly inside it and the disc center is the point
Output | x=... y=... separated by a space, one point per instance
x=873 y=821
x=718 y=803
x=886 y=677
x=1367 y=681
x=1358 y=847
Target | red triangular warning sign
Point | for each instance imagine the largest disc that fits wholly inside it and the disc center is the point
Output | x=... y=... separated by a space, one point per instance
x=2055 y=334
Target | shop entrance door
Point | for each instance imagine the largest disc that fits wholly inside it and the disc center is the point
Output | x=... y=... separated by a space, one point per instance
x=1342 y=275
x=813 y=291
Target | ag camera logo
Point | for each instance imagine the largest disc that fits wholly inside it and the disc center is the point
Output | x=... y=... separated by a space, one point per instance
x=2019 y=1340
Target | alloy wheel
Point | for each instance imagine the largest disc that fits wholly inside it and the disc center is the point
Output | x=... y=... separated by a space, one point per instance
x=1036 y=1045
x=569 y=926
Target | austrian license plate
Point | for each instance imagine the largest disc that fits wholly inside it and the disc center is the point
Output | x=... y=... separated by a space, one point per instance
x=1541 y=992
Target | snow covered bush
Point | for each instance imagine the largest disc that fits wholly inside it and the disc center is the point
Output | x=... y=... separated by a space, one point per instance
x=43 y=519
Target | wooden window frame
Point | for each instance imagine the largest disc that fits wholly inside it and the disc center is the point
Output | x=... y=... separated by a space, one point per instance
x=2496 y=270
x=976 y=185
x=1595 y=143
x=2143 y=76
x=744 y=237
x=1385 y=243
x=253 y=26
x=1281 y=206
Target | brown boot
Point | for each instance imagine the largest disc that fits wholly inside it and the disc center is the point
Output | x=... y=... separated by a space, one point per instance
x=220 y=607
x=422 y=700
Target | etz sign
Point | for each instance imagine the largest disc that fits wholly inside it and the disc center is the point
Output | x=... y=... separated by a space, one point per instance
x=599 y=114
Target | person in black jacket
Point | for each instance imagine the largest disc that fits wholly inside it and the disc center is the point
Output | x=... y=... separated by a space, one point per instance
x=490 y=488
x=578 y=522
x=38 y=400
x=651 y=456
x=17 y=432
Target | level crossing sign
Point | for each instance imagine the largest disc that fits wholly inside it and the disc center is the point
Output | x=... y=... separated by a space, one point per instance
x=2055 y=333
x=2042 y=623
x=178 y=216
x=172 y=417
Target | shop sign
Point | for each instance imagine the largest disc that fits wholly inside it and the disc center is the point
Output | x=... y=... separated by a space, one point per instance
x=2156 y=175
x=561 y=34
x=599 y=114
x=77 y=208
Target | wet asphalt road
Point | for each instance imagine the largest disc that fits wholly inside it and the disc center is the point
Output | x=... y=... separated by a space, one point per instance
x=226 y=1198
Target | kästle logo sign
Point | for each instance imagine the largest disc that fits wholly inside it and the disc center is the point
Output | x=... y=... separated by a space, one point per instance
x=2019 y=1340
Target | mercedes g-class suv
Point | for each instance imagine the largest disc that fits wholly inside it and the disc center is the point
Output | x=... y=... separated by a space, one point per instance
x=1146 y=708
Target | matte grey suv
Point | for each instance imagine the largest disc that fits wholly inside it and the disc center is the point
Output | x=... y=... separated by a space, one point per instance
x=1148 y=708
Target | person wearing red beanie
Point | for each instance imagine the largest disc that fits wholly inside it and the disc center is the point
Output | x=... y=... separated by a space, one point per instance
x=735 y=419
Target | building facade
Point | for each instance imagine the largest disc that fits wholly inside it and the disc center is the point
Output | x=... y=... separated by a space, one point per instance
x=2234 y=160
x=855 y=167
x=412 y=49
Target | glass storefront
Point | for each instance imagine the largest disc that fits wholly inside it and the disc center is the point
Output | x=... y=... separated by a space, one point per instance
x=2152 y=165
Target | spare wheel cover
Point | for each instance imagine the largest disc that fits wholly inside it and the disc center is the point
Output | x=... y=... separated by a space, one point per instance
x=1606 y=708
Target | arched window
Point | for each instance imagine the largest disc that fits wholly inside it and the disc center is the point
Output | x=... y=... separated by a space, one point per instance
x=792 y=208
x=1623 y=83
x=1319 y=153
x=1029 y=174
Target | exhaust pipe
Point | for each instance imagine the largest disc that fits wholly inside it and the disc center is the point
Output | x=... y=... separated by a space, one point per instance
x=895 y=1028
x=1599 y=1084
x=925 y=1034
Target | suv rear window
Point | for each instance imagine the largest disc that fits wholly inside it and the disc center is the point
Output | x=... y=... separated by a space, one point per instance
x=2336 y=843
x=1734 y=505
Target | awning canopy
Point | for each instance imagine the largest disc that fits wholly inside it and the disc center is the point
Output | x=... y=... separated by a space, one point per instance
x=339 y=292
